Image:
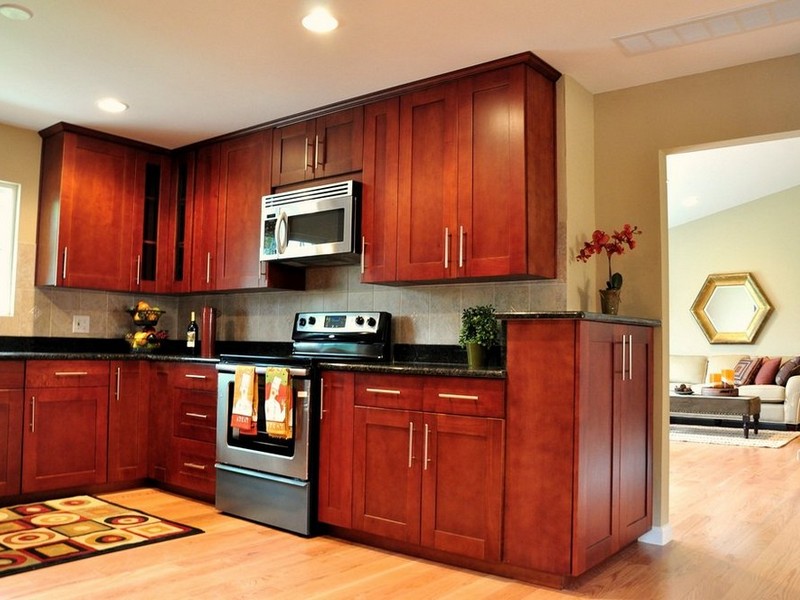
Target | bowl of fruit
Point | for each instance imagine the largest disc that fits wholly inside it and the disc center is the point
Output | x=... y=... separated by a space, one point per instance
x=145 y=315
x=146 y=340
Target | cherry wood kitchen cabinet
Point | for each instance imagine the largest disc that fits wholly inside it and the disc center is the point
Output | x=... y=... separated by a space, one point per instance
x=99 y=192
x=579 y=466
x=180 y=210
x=335 y=479
x=477 y=178
x=317 y=148
x=65 y=420
x=230 y=178
x=12 y=381
x=128 y=420
x=379 y=191
x=428 y=462
x=192 y=391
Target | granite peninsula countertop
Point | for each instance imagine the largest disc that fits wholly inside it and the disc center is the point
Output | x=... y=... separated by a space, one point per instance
x=581 y=315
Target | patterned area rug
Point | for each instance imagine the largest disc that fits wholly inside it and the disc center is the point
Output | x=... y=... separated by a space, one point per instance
x=40 y=534
x=730 y=436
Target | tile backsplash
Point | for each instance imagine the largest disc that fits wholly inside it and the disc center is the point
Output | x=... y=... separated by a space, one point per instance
x=428 y=314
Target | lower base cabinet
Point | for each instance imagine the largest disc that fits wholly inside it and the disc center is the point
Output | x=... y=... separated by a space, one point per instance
x=12 y=380
x=427 y=462
x=128 y=420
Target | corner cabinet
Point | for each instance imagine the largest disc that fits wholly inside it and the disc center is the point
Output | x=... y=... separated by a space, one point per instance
x=475 y=167
x=579 y=470
x=96 y=192
x=128 y=420
x=230 y=178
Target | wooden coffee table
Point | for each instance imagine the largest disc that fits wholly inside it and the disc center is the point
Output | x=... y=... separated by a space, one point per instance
x=694 y=404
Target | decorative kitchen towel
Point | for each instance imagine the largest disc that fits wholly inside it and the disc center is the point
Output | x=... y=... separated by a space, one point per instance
x=278 y=403
x=245 y=400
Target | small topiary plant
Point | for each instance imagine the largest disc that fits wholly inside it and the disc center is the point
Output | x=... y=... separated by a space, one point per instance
x=479 y=325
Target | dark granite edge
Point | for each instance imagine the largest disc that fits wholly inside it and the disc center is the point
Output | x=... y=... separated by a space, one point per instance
x=430 y=369
x=582 y=315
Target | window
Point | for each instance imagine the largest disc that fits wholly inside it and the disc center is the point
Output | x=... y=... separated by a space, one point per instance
x=9 y=211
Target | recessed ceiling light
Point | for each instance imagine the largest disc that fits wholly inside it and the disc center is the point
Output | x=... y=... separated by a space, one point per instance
x=15 y=12
x=320 y=21
x=112 y=105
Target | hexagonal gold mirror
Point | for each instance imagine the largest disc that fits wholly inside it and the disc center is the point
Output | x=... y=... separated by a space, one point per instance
x=731 y=308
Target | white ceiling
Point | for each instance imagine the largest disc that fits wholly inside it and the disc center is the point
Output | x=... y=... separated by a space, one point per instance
x=193 y=69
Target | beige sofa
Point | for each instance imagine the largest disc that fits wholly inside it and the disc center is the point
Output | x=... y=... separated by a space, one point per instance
x=779 y=405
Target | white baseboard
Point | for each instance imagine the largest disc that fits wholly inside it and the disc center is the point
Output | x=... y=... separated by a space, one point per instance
x=658 y=536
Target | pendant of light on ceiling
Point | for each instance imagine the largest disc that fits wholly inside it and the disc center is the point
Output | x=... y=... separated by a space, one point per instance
x=320 y=20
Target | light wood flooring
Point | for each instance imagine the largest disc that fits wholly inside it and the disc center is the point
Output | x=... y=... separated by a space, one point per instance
x=735 y=514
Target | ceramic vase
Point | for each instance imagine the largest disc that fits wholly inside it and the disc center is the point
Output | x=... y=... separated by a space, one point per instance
x=609 y=301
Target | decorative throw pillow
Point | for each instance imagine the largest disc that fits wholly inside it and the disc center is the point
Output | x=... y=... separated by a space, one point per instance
x=789 y=369
x=766 y=374
x=745 y=370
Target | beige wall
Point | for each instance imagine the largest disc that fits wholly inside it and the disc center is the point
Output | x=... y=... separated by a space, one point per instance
x=757 y=238
x=633 y=130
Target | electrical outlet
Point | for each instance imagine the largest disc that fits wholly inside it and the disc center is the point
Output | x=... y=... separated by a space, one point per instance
x=80 y=323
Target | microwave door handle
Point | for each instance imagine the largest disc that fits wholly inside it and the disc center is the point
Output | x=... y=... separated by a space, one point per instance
x=282 y=232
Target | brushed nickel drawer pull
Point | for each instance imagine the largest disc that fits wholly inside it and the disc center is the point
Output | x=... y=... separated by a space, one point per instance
x=425 y=459
x=458 y=397
x=70 y=373
x=410 y=444
x=381 y=391
x=33 y=414
x=193 y=376
x=194 y=466
x=196 y=415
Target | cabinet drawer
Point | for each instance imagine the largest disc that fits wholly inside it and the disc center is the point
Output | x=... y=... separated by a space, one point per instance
x=389 y=391
x=194 y=376
x=192 y=466
x=465 y=396
x=195 y=416
x=66 y=373
x=12 y=374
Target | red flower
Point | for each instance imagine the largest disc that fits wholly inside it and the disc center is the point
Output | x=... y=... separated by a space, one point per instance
x=611 y=245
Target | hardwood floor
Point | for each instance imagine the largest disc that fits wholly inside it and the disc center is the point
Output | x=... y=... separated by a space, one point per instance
x=735 y=513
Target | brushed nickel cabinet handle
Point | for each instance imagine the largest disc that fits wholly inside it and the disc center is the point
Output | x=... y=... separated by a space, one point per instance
x=461 y=246
x=363 y=252
x=116 y=390
x=33 y=414
x=410 y=443
x=425 y=459
x=382 y=391
x=70 y=373
x=195 y=415
x=458 y=396
x=208 y=267
x=318 y=159
x=321 y=398
x=194 y=466
x=194 y=376
x=138 y=269
x=446 y=247
x=623 y=356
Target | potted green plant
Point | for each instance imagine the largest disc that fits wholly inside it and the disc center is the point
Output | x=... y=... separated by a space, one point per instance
x=479 y=329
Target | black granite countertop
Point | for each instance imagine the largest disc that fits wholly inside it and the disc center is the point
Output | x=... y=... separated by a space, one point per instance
x=418 y=368
x=580 y=314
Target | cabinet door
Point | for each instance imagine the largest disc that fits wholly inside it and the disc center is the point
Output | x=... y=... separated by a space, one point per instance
x=338 y=143
x=244 y=178
x=462 y=485
x=129 y=389
x=428 y=183
x=204 y=218
x=386 y=473
x=180 y=203
x=11 y=399
x=160 y=421
x=65 y=437
x=379 y=195
x=634 y=429
x=336 y=449
x=492 y=226
x=293 y=153
x=152 y=251
x=96 y=219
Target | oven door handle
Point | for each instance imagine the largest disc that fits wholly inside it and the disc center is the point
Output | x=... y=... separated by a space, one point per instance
x=231 y=368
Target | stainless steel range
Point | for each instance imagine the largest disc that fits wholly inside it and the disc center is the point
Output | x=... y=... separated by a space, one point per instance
x=266 y=475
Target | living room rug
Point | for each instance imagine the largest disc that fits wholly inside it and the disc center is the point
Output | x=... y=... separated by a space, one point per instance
x=730 y=436
x=40 y=534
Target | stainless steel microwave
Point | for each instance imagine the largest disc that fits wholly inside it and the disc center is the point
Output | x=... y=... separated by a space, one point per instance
x=312 y=226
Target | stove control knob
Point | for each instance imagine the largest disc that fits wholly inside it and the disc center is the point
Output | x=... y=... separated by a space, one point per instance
x=371 y=321
x=359 y=320
x=302 y=321
x=312 y=320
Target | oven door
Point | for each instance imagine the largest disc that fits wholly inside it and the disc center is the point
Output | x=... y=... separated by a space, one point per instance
x=261 y=452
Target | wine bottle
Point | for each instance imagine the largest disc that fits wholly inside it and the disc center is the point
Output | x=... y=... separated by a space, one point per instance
x=191 y=335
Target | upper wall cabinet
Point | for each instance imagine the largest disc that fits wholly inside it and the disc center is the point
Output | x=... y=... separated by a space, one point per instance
x=99 y=202
x=230 y=178
x=322 y=147
x=475 y=176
